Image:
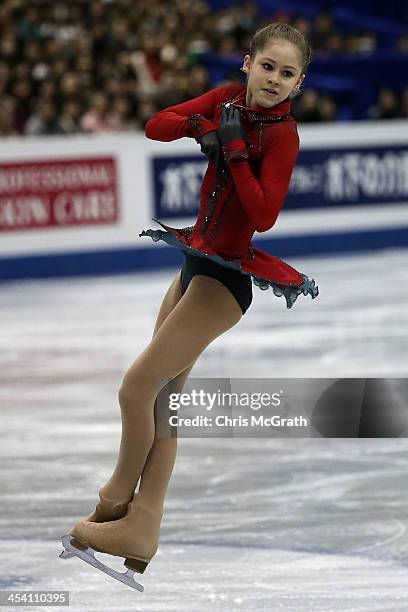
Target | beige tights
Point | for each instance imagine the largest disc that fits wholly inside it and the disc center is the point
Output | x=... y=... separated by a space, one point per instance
x=185 y=326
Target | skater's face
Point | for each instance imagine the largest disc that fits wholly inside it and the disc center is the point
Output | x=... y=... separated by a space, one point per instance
x=277 y=67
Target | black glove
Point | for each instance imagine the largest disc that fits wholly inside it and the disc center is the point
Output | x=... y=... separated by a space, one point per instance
x=210 y=145
x=229 y=127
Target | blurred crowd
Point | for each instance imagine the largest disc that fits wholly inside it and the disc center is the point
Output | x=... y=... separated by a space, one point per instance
x=108 y=65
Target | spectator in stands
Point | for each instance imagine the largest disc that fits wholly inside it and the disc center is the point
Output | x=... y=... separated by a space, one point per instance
x=335 y=43
x=9 y=48
x=70 y=85
x=403 y=44
x=228 y=48
x=302 y=24
x=148 y=53
x=146 y=63
x=246 y=24
x=69 y=121
x=22 y=91
x=404 y=103
x=96 y=118
x=121 y=115
x=361 y=43
x=29 y=26
x=323 y=29
x=327 y=108
x=198 y=81
x=386 y=106
x=146 y=108
x=7 y=109
x=44 y=121
x=48 y=89
x=306 y=108
x=169 y=92
x=4 y=76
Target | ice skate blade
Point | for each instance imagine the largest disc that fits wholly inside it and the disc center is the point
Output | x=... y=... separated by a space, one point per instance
x=66 y=555
x=73 y=548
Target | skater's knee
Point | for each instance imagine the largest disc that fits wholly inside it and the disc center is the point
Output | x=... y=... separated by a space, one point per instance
x=133 y=388
x=136 y=378
x=138 y=389
x=126 y=397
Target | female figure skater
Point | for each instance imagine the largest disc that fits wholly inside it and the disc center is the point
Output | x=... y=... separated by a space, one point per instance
x=252 y=143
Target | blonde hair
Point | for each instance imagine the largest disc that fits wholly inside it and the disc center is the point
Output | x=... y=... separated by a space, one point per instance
x=281 y=31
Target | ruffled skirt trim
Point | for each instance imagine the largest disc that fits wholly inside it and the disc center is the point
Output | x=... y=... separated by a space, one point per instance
x=289 y=292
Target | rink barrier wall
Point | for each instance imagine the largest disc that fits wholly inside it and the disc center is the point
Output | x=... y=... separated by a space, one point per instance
x=76 y=205
x=121 y=261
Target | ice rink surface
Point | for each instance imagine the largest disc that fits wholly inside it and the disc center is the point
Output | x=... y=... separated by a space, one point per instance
x=306 y=524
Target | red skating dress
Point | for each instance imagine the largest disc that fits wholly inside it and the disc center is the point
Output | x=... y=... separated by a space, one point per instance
x=244 y=194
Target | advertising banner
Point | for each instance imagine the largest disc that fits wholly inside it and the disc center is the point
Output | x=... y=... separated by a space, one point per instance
x=44 y=194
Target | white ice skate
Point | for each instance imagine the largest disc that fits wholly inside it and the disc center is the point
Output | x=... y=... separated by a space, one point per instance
x=73 y=548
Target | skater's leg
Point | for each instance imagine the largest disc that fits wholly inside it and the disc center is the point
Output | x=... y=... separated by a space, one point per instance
x=163 y=451
x=206 y=310
x=114 y=499
x=160 y=461
x=172 y=297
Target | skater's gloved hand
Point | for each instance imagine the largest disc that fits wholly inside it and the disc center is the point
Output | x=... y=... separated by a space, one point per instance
x=210 y=145
x=229 y=127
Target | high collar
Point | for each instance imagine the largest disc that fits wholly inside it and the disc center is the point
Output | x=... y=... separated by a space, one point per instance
x=262 y=113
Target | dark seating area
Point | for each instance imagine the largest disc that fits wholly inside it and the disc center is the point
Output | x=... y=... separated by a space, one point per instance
x=108 y=65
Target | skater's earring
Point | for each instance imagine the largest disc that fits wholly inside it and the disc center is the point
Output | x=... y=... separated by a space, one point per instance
x=295 y=91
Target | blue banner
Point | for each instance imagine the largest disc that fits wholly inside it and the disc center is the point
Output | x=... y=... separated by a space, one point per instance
x=347 y=177
x=322 y=178
x=176 y=185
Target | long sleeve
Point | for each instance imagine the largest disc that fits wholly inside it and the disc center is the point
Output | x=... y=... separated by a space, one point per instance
x=262 y=200
x=192 y=119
